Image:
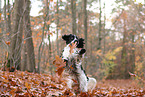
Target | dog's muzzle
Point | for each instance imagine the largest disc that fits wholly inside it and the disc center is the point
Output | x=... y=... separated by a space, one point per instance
x=76 y=41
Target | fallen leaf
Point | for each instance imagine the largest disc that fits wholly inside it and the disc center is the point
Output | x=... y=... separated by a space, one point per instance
x=27 y=85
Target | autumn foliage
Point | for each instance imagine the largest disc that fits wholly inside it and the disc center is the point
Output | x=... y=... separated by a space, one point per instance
x=25 y=84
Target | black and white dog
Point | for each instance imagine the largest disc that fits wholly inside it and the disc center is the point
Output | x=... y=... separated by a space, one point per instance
x=74 y=64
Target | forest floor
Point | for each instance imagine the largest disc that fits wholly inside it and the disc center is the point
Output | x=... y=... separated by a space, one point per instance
x=25 y=84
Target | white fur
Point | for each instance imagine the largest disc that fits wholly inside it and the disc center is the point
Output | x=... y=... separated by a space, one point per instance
x=66 y=53
x=69 y=82
x=91 y=83
x=82 y=79
x=84 y=83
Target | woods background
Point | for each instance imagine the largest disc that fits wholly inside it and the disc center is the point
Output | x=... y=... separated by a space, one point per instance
x=30 y=43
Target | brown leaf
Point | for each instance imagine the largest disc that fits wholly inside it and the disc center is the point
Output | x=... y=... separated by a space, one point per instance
x=72 y=46
x=75 y=80
x=53 y=86
x=18 y=90
x=68 y=93
x=60 y=64
x=27 y=85
x=60 y=70
x=83 y=94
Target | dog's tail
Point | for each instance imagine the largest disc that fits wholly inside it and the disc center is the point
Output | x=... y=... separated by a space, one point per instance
x=92 y=83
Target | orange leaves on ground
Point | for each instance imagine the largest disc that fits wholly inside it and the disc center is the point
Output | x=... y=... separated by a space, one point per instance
x=68 y=93
x=119 y=88
x=25 y=84
x=72 y=46
x=84 y=94
x=60 y=64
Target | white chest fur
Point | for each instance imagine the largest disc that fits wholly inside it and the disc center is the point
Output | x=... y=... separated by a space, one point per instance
x=67 y=55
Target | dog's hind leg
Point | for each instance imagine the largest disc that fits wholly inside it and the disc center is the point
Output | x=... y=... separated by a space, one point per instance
x=69 y=83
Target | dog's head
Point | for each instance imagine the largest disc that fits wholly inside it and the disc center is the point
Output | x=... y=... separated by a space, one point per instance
x=77 y=52
x=72 y=39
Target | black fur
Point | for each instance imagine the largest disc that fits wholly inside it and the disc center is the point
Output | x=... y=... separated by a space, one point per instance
x=74 y=64
x=84 y=72
x=69 y=38
x=80 y=43
x=82 y=51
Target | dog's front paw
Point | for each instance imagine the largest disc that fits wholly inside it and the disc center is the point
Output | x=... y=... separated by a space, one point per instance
x=66 y=61
x=82 y=51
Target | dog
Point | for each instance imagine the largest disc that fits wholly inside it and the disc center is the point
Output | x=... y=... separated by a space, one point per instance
x=74 y=67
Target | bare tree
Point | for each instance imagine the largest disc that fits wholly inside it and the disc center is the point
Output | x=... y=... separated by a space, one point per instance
x=16 y=36
x=73 y=9
x=48 y=29
x=0 y=15
x=85 y=29
x=100 y=28
x=9 y=18
x=29 y=41
x=57 y=12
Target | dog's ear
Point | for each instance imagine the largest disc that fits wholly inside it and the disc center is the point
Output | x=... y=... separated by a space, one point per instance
x=82 y=51
x=80 y=43
x=65 y=37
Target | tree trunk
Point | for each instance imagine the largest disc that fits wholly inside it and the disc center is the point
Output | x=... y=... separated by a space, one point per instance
x=100 y=28
x=85 y=30
x=41 y=45
x=124 y=72
x=15 y=56
x=29 y=41
x=104 y=30
x=5 y=17
x=132 y=55
x=57 y=27
x=48 y=26
x=24 y=58
x=0 y=15
x=9 y=19
x=73 y=9
x=50 y=54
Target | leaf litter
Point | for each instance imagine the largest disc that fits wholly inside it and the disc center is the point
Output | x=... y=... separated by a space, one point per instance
x=21 y=84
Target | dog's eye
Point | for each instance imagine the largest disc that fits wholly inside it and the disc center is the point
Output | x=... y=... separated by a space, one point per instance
x=72 y=37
